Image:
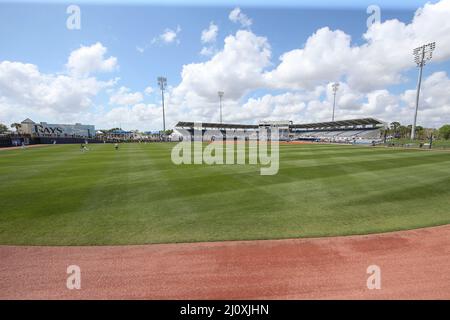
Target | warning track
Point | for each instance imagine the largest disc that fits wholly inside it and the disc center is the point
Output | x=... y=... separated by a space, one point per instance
x=414 y=265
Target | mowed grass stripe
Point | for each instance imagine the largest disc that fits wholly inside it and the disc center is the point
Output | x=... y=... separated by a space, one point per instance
x=299 y=161
x=137 y=195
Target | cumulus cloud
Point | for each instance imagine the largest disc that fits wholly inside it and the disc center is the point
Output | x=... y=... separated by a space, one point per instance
x=286 y=106
x=87 y=60
x=236 y=69
x=168 y=36
x=24 y=88
x=209 y=35
x=139 y=116
x=379 y=62
x=149 y=90
x=297 y=87
x=67 y=96
x=125 y=97
x=208 y=51
x=237 y=16
x=364 y=71
x=434 y=107
x=27 y=92
x=316 y=104
x=324 y=57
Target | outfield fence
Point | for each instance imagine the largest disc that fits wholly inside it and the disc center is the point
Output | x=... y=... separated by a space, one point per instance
x=5 y=141
x=420 y=145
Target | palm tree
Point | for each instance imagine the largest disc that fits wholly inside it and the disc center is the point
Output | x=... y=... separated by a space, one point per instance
x=420 y=132
x=403 y=131
x=394 y=126
x=3 y=128
x=16 y=126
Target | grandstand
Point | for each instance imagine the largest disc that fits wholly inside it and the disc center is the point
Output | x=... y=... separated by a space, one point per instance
x=213 y=131
x=365 y=130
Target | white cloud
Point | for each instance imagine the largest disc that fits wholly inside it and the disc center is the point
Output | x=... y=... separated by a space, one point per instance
x=244 y=64
x=124 y=97
x=209 y=35
x=149 y=90
x=65 y=97
x=316 y=104
x=207 y=51
x=236 y=69
x=87 y=60
x=140 y=116
x=434 y=103
x=24 y=90
x=237 y=16
x=168 y=36
x=324 y=58
x=364 y=71
x=311 y=106
x=329 y=55
x=286 y=106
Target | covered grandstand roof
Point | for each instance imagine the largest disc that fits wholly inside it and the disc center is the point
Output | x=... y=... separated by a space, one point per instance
x=183 y=124
x=340 y=123
x=330 y=124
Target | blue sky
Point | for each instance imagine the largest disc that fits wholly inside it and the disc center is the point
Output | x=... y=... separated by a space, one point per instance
x=251 y=3
x=35 y=33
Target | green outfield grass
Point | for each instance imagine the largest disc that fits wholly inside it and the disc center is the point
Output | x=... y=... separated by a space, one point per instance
x=57 y=195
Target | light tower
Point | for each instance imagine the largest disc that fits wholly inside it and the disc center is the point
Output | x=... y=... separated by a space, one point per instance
x=162 y=82
x=421 y=56
x=335 y=87
x=220 y=93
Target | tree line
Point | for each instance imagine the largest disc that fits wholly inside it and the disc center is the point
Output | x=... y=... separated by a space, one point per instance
x=399 y=131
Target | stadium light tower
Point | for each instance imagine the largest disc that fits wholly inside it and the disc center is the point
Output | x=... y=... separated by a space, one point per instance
x=421 y=56
x=162 y=83
x=220 y=93
x=335 y=87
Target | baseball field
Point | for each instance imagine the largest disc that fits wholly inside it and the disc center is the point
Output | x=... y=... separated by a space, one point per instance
x=59 y=195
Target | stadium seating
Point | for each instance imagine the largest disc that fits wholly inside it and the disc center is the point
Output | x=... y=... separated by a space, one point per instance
x=364 y=130
x=339 y=135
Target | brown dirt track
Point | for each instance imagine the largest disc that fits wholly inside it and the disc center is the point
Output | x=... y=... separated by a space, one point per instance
x=414 y=265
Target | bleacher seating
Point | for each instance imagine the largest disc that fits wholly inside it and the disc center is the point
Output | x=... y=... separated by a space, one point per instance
x=339 y=135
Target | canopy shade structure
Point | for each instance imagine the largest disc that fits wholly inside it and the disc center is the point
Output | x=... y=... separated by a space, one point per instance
x=340 y=123
x=183 y=124
x=332 y=124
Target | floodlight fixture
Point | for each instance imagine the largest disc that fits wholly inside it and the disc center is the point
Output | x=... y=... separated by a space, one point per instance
x=335 y=87
x=162 y=83
x=220 y=93
x=421 y=56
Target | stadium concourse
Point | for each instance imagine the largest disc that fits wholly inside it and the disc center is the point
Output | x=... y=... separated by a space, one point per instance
x=356 y=131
